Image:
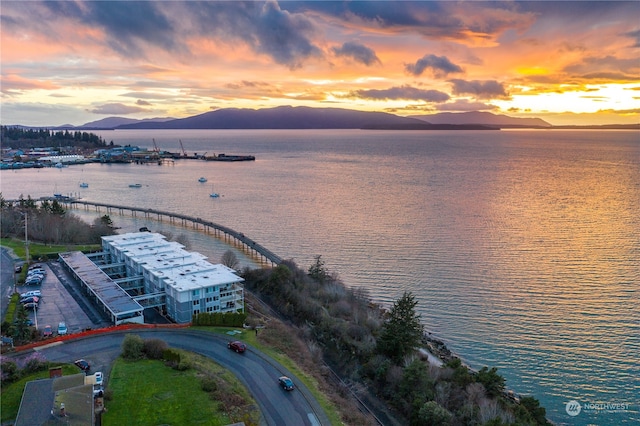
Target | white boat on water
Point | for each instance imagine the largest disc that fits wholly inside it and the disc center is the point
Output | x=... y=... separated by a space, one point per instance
x=213 y=193
x=135 y=185
x=202 y=180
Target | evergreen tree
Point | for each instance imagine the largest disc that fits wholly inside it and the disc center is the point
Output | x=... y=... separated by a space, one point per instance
x=318 y=271
x=402 y=332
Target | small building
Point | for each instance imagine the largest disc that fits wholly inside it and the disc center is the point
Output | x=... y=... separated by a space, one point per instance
x=55 y=400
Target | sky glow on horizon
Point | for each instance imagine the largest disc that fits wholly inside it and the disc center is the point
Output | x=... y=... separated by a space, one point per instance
x=68 y=62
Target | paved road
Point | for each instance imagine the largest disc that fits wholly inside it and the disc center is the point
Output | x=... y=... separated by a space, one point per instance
x=257 y=372
x=6 y=278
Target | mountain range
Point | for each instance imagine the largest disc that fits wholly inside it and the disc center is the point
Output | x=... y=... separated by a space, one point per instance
x=483 y=118
x=288 y=117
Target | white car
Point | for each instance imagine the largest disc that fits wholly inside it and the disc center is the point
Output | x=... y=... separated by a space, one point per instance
x=31 y=293
x=98 y=377
x=62 y=329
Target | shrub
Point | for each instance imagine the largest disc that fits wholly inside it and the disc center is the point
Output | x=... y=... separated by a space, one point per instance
x=209 y=384
x=10 y=371
x=431 y=413
x=34 y=363
x=132 y=347
x=229 y=319
x=154 y=348
x=171 y=357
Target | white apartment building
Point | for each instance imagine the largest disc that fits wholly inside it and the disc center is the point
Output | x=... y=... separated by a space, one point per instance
x=183 y=283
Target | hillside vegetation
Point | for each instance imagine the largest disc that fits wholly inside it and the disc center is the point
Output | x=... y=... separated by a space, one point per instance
x=377 y=352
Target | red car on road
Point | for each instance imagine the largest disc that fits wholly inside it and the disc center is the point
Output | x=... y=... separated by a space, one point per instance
x=237 y=346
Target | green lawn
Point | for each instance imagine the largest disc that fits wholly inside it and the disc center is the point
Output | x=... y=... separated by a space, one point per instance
x=147 y=392
x=37 y=250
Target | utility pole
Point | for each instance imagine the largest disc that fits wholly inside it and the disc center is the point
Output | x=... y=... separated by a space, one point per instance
x=26 y=237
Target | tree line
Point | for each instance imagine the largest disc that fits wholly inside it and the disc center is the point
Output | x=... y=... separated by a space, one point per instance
x=19 y=137
x=49 y=223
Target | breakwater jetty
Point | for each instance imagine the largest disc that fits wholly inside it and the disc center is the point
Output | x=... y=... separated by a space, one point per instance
x=225 y=233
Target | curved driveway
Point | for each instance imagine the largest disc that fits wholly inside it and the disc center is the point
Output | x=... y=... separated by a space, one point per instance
x=257 y=372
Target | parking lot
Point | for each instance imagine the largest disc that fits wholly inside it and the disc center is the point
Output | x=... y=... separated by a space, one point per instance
x=62 y=301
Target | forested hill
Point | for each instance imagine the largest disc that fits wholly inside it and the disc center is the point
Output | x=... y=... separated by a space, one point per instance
x=21 y=138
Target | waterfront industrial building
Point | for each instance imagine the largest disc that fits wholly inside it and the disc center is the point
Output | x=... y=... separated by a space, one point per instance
x=142 y=270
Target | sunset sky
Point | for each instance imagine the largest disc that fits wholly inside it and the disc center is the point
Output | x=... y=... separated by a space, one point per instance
x=72 y=62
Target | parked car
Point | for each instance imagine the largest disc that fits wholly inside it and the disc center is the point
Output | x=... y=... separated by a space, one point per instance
x=286 y=383
x=82 y=365
x=237 y=346
x=62 y=329
x=37 y=293
x=98 y=391
x=98 y=376
x=17 y=269
x=35 y=275
x=33 y=281
x=47 y=331
x=35 y=268
x=34 y=299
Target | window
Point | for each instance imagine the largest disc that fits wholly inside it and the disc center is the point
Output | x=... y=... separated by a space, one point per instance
x=196 y=311
x=196 y=302
x=209 y=299
x=195 y=293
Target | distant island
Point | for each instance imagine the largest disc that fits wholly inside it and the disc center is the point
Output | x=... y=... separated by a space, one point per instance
x=288 y=117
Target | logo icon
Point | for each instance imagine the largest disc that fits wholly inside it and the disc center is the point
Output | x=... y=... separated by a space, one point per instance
x=573 y=408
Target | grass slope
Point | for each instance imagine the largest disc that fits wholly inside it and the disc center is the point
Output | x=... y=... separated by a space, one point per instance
x=148 y=392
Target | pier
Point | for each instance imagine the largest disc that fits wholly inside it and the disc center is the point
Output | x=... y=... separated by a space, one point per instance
x=225 y=233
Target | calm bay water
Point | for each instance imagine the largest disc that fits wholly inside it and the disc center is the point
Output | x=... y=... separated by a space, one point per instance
x=522 y=247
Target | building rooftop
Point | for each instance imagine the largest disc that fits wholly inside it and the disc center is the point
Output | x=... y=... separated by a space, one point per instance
x=169 y=261
x=104 y=288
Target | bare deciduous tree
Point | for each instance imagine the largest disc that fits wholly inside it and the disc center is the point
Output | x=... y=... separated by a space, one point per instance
x=230 y=260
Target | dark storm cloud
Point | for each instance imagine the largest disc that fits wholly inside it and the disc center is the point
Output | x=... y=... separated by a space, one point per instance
x=488 y=89
x=440 y=20
x=402 y=92
x=441 y=66
x=284 y=36
x=130 y=26
x=358 y=52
